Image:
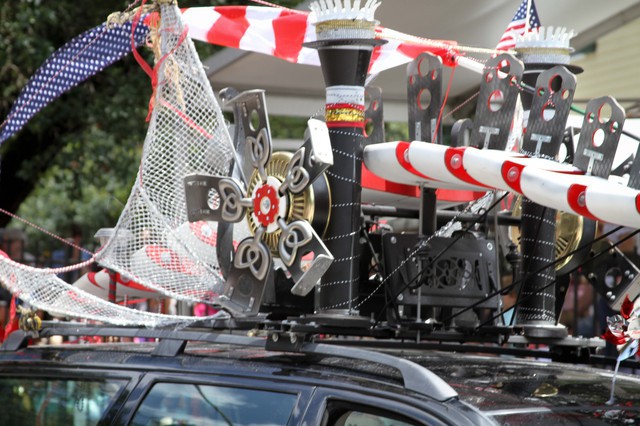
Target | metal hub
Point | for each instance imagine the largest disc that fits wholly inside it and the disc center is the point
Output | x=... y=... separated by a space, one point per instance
x=311 y=205
x=268 y=205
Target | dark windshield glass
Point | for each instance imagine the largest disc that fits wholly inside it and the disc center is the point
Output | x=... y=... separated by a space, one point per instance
x=55 y=402
x=200 y=405
x=520 y=392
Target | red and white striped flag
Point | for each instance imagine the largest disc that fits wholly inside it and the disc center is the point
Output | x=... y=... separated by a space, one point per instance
x=281 y=33
x=518 y=25
x=273 y=31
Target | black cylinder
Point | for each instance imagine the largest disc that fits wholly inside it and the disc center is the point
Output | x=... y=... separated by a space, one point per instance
x=538 y=234
x=537 y=241
x=344 y=66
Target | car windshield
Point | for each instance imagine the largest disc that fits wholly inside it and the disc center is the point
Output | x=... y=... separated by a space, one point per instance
x=55 y=401
x=518 y=392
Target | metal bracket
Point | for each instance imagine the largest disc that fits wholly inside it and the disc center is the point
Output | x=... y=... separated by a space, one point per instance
x=461 y=132
x=202 y=203
x=496 y=102
x=599 y=136
x=214 y=198
x=251 y=125
x=424 y=94
x=251 y=272
x=634 y=172
x=614 y=275
x=373 y=116
x=318 y=156
x=550 y=107
x=297 y=240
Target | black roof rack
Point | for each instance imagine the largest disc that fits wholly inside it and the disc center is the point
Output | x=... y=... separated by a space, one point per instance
x=173 y=342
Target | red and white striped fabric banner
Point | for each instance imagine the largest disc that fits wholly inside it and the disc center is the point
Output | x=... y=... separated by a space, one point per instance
x=281 y=33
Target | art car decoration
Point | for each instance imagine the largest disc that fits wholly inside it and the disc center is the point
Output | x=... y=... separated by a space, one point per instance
x=309 y=242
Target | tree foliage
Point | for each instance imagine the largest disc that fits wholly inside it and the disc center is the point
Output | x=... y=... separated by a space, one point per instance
x=74 y=163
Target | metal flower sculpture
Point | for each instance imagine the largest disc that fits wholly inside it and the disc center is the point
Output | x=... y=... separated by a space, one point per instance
x=266 y=200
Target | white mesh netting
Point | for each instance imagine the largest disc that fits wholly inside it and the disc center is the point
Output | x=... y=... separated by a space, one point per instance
x=153 y=243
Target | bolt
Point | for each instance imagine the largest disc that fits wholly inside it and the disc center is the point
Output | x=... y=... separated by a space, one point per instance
x=293 y=338
x=400 y=298
x=489 y=246
x=609 y=294
x=275 y=337
x=393 y=240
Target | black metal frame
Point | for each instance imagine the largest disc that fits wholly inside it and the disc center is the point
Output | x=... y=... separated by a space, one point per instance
x=172 y=343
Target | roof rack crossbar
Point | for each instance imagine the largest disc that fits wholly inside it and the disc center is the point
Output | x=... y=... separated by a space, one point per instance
x=172 y=342
x=19 y=339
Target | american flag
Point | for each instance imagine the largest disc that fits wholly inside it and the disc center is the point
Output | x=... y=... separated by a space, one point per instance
x=518 y=26
x=84 y=56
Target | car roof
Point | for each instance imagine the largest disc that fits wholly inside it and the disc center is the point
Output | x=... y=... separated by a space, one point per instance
x=515 y=389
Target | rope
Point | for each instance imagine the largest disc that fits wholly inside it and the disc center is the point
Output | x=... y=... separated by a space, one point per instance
x=266 y=3
x=397 y=35
x=444 y=103
x=454 y=110
x=41 y=229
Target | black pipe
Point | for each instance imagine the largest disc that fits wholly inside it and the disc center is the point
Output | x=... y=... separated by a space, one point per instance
x=344 y=67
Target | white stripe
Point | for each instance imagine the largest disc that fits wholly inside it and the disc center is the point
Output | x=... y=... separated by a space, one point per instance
x=309 y=56
x=260 y=37
x=389 y=57
x=199 y=20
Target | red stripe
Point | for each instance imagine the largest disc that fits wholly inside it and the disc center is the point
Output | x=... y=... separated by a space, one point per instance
x=198 y=228
x=344 y=105
x=171 y=260
x=188 y=120
x=576 y=197
x=511 y=174
x=377 y=51
x=461 y=195
x=401 y=152
x=132 y=284
x=453 y=162
x=375 y=182
x=516 y=26
x=358 y=124
x=230 y=27
x=446 y=52
x=91 y=276
x=289 y=30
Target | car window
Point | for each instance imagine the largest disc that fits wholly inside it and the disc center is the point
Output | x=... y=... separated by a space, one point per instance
x=358 y=418
x=53 y=402
x=343 y=413
x=196 y=404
